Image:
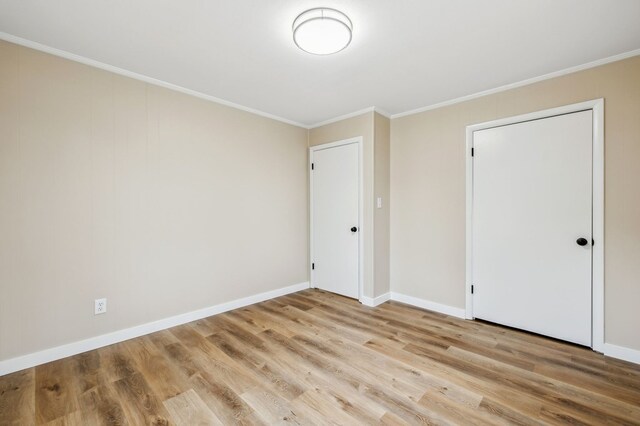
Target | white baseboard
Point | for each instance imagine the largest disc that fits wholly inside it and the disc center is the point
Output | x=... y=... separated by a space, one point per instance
x=614 y=351
x=620 y=352
x=429 y=305
x=63 y=351
x=375 y=301
x=48 y=355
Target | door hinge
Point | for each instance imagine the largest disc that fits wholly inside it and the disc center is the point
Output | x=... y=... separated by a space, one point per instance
x=472 y=152
x=471 y=288
x=313 y=266
x=313 y=166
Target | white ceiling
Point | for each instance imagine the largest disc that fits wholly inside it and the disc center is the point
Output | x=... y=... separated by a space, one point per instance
x=405 y=54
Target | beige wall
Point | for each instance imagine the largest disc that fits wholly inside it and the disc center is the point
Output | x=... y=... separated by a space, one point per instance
x=428 y=187
x=164 y=203
x=382 y=182
x=160 y=202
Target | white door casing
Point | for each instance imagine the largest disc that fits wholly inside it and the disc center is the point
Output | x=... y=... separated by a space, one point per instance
x=581 y=307
x=335 y=185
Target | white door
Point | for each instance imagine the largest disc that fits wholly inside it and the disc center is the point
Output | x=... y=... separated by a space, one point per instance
x=532 y=221
x=335 y=227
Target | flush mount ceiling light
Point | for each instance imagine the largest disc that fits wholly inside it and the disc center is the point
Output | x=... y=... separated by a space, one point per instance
x=322 y=31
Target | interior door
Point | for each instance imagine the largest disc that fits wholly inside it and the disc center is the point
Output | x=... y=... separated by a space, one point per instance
x=335 y=227
x=532 y=221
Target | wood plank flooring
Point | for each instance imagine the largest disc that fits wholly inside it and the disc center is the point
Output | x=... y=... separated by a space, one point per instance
x=316 y=358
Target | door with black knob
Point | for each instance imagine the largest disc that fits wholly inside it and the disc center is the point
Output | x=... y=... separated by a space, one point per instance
x=532 y=224
x=335 y=204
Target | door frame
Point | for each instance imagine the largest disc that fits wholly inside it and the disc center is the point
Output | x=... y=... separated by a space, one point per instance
x=597 y=264
x=356 y=140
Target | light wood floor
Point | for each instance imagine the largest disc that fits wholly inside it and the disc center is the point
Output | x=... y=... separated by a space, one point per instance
x=317 y=358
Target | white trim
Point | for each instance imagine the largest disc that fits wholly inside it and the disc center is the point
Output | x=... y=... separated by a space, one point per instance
x=614 y=351
x=351 y=115
x=597 y=265
x=70 y=349
x=498 y=89
x=141 y=77
x=429 y=305
x=597 y=106
x=526 y=82
x=468 y=303
x=342 y=117
x=357 y=140
x=382 y=112
x=93 y=63
x=620 y=352
x=375 y=301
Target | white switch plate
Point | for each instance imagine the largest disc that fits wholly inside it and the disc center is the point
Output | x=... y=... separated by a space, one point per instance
x=100 y=306
x=379 y=202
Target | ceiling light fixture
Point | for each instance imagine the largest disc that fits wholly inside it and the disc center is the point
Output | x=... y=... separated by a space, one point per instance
x=322 y=31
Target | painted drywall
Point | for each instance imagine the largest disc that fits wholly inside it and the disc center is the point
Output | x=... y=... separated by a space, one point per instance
x=361 y=125
x=161 y=202
x=428 y=187
x=381 y=186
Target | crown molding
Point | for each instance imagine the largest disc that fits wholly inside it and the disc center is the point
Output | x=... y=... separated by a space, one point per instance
x=351 y=115
x=382 y=112
x=154 y=81
x=342 y=117
x=526 y=82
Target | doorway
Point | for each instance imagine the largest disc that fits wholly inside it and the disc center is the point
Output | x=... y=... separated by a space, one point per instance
x=336 y=237
x=534 y=223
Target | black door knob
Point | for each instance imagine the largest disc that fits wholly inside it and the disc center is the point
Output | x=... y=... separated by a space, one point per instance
x=582 y=241
x=354 y=229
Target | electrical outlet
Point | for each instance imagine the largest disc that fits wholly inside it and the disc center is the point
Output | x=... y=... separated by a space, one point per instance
x=100 y=306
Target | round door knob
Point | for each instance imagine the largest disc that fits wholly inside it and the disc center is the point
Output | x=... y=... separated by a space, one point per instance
x=354 y=229
x=582 y=241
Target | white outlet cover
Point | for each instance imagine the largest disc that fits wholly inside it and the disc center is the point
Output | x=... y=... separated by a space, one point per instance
x=100 y=306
